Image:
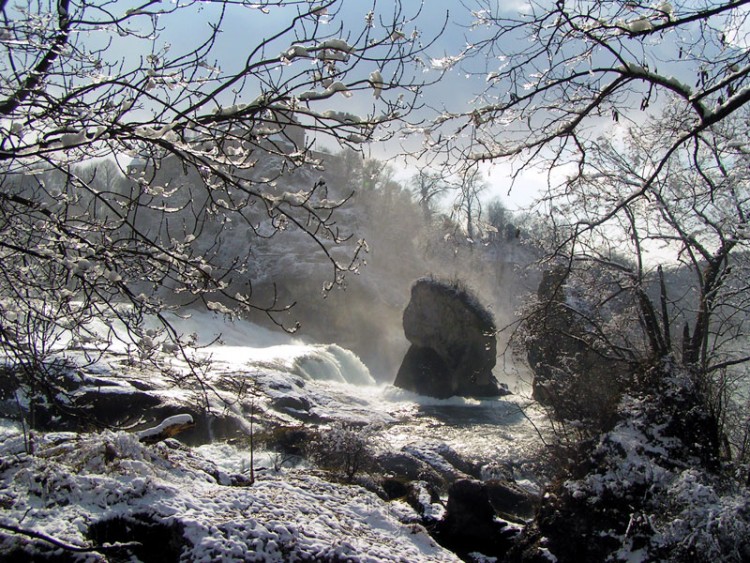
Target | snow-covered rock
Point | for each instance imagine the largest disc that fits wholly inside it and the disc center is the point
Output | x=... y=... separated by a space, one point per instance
x=239 y=492
x=649 y=490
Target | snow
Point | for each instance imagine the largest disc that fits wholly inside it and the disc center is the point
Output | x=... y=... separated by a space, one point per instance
x=445 y=63
x=343 y=117
x=169 y=422
x=686 y=509
x=376 y=80
x=336 y=45
x=72 y=139
x=69 y=483
x=640 y=25
x=327 y=93
x=296 y=51
x=666 y=8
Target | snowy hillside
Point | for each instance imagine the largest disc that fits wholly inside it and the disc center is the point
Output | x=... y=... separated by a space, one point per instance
x=302 y=457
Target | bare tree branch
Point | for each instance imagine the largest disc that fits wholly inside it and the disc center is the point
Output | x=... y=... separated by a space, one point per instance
x=117 y=546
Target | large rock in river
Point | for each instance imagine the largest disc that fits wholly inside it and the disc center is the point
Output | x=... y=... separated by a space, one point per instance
x=453 y=344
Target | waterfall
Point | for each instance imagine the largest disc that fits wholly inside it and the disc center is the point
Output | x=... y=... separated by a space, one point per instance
x=332 y=363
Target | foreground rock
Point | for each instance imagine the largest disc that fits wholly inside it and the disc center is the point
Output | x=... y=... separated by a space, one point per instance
x=166 y=502
x=453 y=345
x=118 y=397
x=471 y=524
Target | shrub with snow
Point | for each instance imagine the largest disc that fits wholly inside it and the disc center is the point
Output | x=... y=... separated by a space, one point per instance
x=343 y=448
x=648 y=490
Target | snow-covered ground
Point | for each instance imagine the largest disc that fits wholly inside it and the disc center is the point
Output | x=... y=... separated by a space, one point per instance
x=72 y=482
x=69 y=484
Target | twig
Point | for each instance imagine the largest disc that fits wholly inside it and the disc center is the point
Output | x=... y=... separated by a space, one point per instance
x=166 y=429
x=533 y=424
x=66 y=546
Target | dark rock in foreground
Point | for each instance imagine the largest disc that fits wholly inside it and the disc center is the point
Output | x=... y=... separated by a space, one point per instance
x=453 y=345
x=470 y=523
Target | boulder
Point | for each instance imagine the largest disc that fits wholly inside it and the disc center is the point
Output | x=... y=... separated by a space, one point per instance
x=453 y=345
x=143 y=536
x=425 y=501
x=510 y=501
x=471 y=524
x=114 y=402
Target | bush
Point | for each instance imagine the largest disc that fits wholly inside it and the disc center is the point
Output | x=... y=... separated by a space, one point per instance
x=343 y=448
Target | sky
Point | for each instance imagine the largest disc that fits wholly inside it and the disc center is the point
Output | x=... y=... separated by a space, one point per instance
x=242 y=29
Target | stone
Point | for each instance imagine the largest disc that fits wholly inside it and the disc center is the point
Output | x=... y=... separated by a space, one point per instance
x=393 y=488
x=107 y=403
x=425 y=500
x=291 y=404
x=145 y=537
x=453 y=344
x=511 y=501
x=471 y=524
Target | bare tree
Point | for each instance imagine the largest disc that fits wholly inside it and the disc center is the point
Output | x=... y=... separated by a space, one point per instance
x=663 y=281
x=637 y=112
x=428 y=187
x=100 y=80
x=467 y=206
x=560 y=73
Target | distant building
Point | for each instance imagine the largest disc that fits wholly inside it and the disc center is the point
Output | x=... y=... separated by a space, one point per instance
x=278 y=130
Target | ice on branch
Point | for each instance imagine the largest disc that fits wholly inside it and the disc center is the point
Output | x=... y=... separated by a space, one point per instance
x=342 y=116
x=376 y=80
x=666 y=9
x=239 y=108
x=641 y=24
x=218 y=307
x=295 y=52
x=327 y=93
x=337 y=45
x=444 y=63
x=71 y=139
x=164 y=133
x=339 y=87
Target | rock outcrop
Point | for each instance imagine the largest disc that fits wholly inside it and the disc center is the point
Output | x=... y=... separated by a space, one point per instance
x=648 y=489
x=453 y=345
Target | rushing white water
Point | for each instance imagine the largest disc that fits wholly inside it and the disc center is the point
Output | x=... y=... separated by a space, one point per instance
x=337 y=386
x=319 y=362
x=504 y=431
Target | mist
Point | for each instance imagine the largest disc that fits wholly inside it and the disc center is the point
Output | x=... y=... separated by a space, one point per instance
x=405 y=241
